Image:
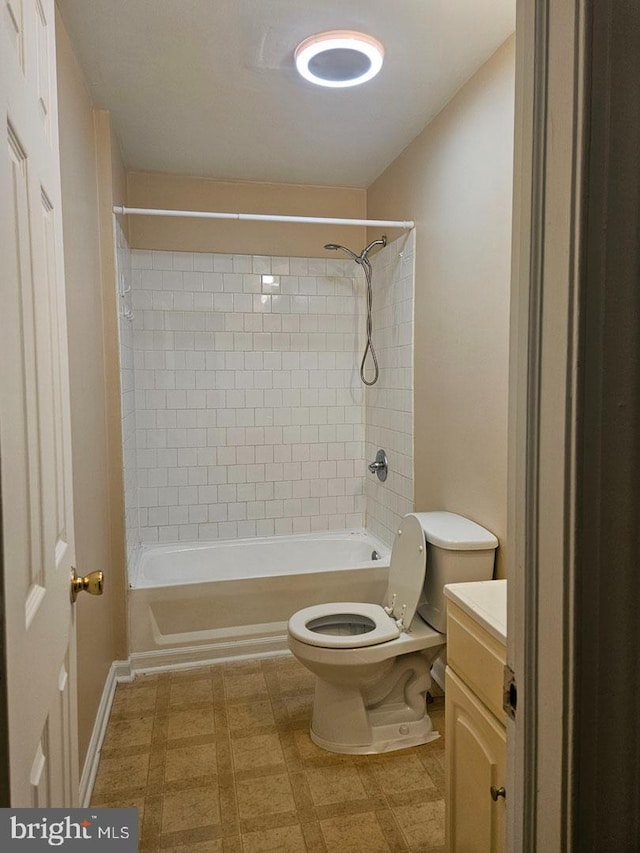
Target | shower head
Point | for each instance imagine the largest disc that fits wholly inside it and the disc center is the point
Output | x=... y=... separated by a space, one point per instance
x=362 y=257
x=334 y=246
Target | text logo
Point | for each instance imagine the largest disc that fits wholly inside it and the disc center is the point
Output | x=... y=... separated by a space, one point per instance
x=69 y=829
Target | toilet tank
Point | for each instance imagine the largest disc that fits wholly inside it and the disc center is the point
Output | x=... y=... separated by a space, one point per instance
x=458 y=550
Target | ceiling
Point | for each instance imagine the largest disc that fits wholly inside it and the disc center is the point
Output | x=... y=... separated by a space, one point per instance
x=209 y=88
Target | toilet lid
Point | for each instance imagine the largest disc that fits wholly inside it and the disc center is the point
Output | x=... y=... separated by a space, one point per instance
x=407 y=569
x=343 y=625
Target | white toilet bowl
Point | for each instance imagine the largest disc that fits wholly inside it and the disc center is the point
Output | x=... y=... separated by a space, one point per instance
x=372 y=663
x=369 y=698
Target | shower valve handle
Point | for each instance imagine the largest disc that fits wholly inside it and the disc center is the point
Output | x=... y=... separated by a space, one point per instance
x=380 y=466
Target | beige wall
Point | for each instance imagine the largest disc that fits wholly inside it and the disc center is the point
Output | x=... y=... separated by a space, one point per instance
x=176 y=192
x=99 y=634
x=455 y=180
x=111 y=178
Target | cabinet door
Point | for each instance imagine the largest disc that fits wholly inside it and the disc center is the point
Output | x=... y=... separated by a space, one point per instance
x=476 y=755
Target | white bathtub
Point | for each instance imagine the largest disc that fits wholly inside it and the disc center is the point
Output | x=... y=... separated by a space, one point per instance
x=189 y=604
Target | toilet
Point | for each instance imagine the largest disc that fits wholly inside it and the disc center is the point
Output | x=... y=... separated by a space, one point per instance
x=372 y=662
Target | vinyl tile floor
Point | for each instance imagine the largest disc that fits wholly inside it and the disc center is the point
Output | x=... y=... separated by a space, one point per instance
x=219 y=760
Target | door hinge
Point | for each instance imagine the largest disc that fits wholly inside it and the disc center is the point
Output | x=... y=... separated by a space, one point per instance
x=509 y=692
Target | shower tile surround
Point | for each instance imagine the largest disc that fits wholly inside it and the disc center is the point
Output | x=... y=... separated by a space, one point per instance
x=389 y=403
x=249 y=411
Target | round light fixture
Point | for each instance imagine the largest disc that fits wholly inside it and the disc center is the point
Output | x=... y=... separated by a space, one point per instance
x=339 y=58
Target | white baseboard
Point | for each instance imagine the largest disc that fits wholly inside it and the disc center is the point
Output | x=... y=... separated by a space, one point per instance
x=165 y=660
x=119 y=671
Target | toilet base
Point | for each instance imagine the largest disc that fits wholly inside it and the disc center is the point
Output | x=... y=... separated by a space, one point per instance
x=389 y=713
x=385 y=737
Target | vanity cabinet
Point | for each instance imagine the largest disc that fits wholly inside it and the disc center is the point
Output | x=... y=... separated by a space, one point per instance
x=476 y=735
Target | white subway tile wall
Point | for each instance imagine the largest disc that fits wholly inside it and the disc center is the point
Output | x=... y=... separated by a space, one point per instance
x=127 y=383
x=389 y=403
x=248 y=405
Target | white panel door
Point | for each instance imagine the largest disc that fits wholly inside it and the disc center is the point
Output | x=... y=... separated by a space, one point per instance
x=35 y=458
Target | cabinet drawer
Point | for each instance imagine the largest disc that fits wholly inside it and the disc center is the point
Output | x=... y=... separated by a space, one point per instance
x=477 y=657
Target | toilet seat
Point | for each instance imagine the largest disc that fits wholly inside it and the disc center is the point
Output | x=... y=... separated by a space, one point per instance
x=370 y=624
x=407 y=570
x=358 y=625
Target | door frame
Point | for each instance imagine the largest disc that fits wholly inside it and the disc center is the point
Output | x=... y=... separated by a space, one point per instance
x=606 y=740
x=551 y=67
x=574 y=437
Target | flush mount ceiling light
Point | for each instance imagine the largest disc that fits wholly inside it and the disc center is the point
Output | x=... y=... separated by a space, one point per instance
x=339 y=58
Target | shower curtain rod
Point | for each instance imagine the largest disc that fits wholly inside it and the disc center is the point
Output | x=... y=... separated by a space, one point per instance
x=262 y=217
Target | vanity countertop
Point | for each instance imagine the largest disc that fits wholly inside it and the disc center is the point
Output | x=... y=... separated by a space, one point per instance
x=484 y=601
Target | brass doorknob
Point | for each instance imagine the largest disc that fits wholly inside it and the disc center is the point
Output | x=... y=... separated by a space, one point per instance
x=497 y=792
x=93 y=583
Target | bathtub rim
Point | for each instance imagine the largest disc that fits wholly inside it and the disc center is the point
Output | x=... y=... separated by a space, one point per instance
x=363 y=533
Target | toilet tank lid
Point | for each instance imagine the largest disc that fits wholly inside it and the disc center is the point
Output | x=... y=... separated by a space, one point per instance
x=454 y=532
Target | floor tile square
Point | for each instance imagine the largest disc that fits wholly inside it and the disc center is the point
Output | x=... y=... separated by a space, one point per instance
x=190 y=722
x=241 y=686
x=188 y=762
x=122 y=773
x=266 y=795
x=402 y=773
x=246 y=718
x=330 y=785
x=191 y=808
x=359 y=833
x=135 y=702
x=422 y=824
x=131 y=731
x=257 y=751
x=190 y=692
x=296 y=681
x=299 y=707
